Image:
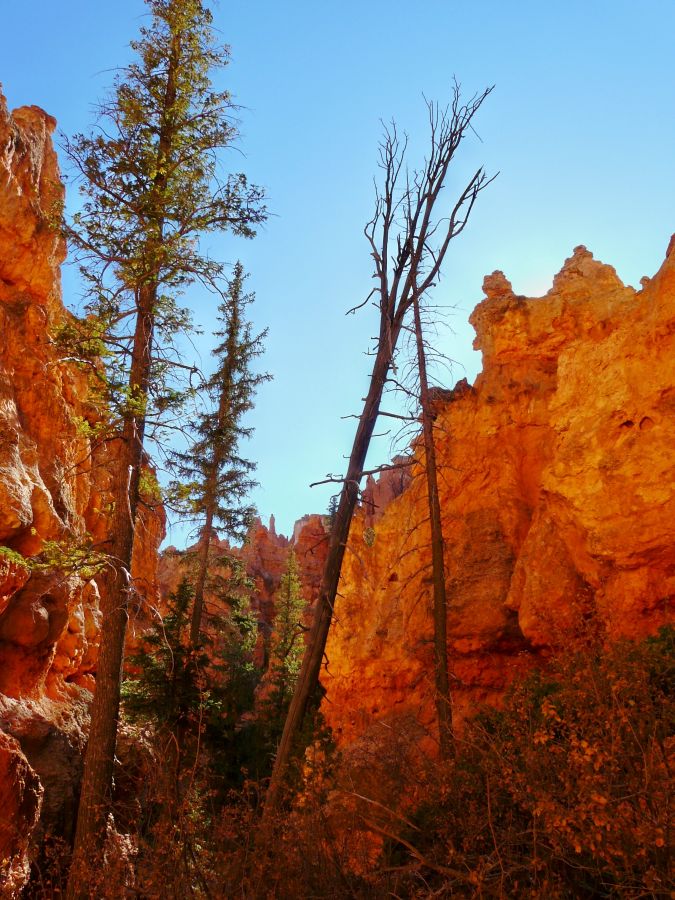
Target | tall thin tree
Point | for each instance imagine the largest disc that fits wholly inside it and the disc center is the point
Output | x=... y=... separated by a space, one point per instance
x=217 y=478
x=287 y=641
x=150 y=187
x=442 y=681
x=409 y=241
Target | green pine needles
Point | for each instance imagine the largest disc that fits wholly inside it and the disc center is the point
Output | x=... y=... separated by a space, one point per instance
x=167 y=687
x=286 y=650
x=215 y=477
x=186 y=691
x=287 y=644
x=151 y=186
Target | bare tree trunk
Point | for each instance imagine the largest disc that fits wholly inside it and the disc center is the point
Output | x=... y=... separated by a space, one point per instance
x=408 y=245
x=443 y=700
x=308 y=677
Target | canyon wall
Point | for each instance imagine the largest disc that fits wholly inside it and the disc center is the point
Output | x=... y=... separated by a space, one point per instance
x=54 y=484
x=53 y=488
x=557 y=489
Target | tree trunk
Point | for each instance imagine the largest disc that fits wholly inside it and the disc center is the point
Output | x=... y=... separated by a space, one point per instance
x=116 y=585
x=308 y=677
x=401 y=237
x=443 y=702
x=115 y=589
x=200 y=584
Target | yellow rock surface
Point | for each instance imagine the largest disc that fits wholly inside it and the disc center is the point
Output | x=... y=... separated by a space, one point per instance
x=557 y=483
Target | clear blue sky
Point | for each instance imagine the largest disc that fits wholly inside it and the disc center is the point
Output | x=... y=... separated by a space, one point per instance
x=581 y=126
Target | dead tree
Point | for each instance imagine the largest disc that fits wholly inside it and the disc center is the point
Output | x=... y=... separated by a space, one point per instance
x=409 y=238
x=442 y=683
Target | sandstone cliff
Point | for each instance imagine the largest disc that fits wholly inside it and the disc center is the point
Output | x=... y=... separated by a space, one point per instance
x=53 y=486
x=557 y=481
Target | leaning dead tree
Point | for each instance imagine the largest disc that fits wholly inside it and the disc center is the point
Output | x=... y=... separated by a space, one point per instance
x=409 y=236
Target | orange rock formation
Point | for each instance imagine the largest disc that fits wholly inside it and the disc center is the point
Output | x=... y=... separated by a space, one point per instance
x=52 y=487
x=557 y=480
x=264 y=555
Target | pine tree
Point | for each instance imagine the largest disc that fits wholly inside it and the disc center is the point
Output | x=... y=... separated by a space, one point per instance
x=236 y=644
x=234 y=676
x=188 y=694
x=148 y=178
x=287 y=644
x=286 y=650
x=169 y=690
x=216 y=477
x=166 y=686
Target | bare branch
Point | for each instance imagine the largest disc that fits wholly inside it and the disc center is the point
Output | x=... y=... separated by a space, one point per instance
x=361 y=305
x=388 y=467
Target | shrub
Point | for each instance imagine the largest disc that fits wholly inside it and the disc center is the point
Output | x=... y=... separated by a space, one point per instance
x=565 y=792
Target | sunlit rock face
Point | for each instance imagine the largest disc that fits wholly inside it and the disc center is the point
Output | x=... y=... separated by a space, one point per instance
x=53 y=487
x=557 y=484
x=264 y=555
x=20 y=802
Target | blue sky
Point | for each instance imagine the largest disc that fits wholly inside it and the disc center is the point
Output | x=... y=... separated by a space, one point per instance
x=580 y=127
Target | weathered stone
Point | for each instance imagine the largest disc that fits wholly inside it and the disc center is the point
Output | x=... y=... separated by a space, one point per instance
x=558 y=504
x=54 y=485
x=20 y=801
x=264 y=555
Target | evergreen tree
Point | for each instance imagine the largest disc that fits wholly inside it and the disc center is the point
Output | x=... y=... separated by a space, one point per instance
x=231 y=738
x=332 y=511
x=235 y=645
x=216 y=477
x=150 y=191
x=188 y=694
x=287 y=647
x=169 y=689
x=167 y=686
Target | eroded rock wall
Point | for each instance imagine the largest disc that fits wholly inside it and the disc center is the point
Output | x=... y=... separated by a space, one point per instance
x=53 y=487
x=20 y=802
x=557 y=484
x=264 y=555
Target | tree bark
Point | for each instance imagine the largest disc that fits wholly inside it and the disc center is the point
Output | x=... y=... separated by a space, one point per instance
x=200 y=584
x=116 y=586
x=115 y=590
x=308 y=677
x=443 y=700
